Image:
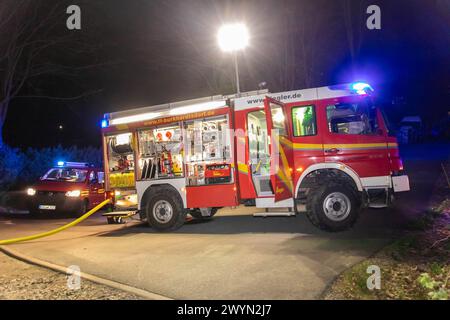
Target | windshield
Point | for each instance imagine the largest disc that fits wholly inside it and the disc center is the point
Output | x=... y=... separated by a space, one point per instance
x=66 y=174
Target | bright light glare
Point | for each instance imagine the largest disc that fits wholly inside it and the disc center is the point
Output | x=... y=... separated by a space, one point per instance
x=361 y=87
x=61 y=163
x=232 y=37
x=31 y=192
x=123 y=138
x=197 y=107
x=278 y=116
x=73 y=193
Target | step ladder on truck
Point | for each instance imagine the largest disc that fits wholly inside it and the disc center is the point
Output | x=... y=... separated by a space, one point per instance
x=324 y=151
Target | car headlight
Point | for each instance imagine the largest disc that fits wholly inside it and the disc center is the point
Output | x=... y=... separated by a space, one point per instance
x=73 y=193
x=31 y=192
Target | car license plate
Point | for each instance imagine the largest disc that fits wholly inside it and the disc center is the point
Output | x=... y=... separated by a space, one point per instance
x=46 y=207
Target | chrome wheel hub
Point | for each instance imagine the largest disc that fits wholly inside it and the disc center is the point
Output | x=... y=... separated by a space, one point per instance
x=162 y=211
x=337 y=206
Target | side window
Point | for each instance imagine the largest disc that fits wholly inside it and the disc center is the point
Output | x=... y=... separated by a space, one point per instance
x=278 y=119
x=351 y=118
x=101 y=177
x=92 y=177
x=304 y=121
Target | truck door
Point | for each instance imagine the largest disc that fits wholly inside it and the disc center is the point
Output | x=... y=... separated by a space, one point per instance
x=281 y=153
x=96 y=189
x=355 y=137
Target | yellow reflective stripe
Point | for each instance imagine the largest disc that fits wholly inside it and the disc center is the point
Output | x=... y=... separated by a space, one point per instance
x=285 y=174
x=308 y=146
x=318 y=146
x=242 y=167
x=355 y=145
x=393 y=145
x=286 y=142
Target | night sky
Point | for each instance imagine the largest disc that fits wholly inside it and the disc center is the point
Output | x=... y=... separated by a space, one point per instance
x=137 y=53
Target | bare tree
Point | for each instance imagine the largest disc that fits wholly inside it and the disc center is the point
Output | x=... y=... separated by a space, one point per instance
x=32 y=32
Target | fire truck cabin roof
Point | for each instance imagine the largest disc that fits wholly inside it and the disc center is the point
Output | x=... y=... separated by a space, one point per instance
x=244 y=101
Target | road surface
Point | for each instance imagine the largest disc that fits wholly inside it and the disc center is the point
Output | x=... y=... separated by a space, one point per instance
x=234 y=255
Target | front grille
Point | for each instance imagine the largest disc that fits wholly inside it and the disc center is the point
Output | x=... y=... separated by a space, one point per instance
x=50 y=193
x=50 y=197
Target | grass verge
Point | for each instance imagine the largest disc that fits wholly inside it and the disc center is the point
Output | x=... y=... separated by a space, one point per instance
x=416 y=267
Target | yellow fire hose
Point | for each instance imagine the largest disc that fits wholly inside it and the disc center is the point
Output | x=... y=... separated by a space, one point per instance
x=51 y=232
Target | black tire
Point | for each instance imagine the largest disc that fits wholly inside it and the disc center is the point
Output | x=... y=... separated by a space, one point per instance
x=170 y=199
x=196 y=214
x=323 y=194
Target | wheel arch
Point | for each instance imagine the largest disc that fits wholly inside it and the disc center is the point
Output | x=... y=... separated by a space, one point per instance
x=342 y=168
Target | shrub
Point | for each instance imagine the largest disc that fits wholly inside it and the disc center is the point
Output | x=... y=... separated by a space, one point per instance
x=12 y=162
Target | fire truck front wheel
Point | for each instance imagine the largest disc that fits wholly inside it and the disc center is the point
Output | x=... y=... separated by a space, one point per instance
x=333 y=206
x=165 y=210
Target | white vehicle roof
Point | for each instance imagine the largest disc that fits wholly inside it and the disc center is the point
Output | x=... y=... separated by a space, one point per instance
x=244 y=101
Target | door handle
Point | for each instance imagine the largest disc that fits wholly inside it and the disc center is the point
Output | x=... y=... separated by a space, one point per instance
x=332 y=150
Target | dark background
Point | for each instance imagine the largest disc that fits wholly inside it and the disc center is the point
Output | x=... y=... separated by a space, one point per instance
x=137 y=53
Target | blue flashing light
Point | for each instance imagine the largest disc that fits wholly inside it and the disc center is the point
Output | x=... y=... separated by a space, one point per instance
x=104 y=123
x=61 y=163
x=361 y=87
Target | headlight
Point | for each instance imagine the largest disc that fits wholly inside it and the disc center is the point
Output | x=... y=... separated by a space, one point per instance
x=73 y=193
x=31 y=192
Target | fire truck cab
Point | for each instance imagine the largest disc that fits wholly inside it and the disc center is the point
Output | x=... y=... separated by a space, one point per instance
x=325 y=151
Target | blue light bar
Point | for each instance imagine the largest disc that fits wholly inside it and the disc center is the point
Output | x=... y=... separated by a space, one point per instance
x=73 y=164
x=104 y=123
x=361 y=87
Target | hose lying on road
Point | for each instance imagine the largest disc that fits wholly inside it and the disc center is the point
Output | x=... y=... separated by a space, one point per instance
x=51 y=232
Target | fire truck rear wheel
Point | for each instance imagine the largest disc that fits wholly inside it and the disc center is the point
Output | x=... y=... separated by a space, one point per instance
x=333 y=206
x=165 y=210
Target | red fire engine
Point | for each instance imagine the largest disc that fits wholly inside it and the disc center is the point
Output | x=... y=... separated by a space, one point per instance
x=325 y=151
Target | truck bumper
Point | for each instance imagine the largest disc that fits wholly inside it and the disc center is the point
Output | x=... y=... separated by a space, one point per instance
x=54 y=205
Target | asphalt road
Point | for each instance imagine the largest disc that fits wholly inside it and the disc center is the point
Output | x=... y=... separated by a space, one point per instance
x=234 y=255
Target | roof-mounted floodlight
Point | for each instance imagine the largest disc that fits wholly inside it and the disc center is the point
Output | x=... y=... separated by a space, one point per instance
x=135 y=118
